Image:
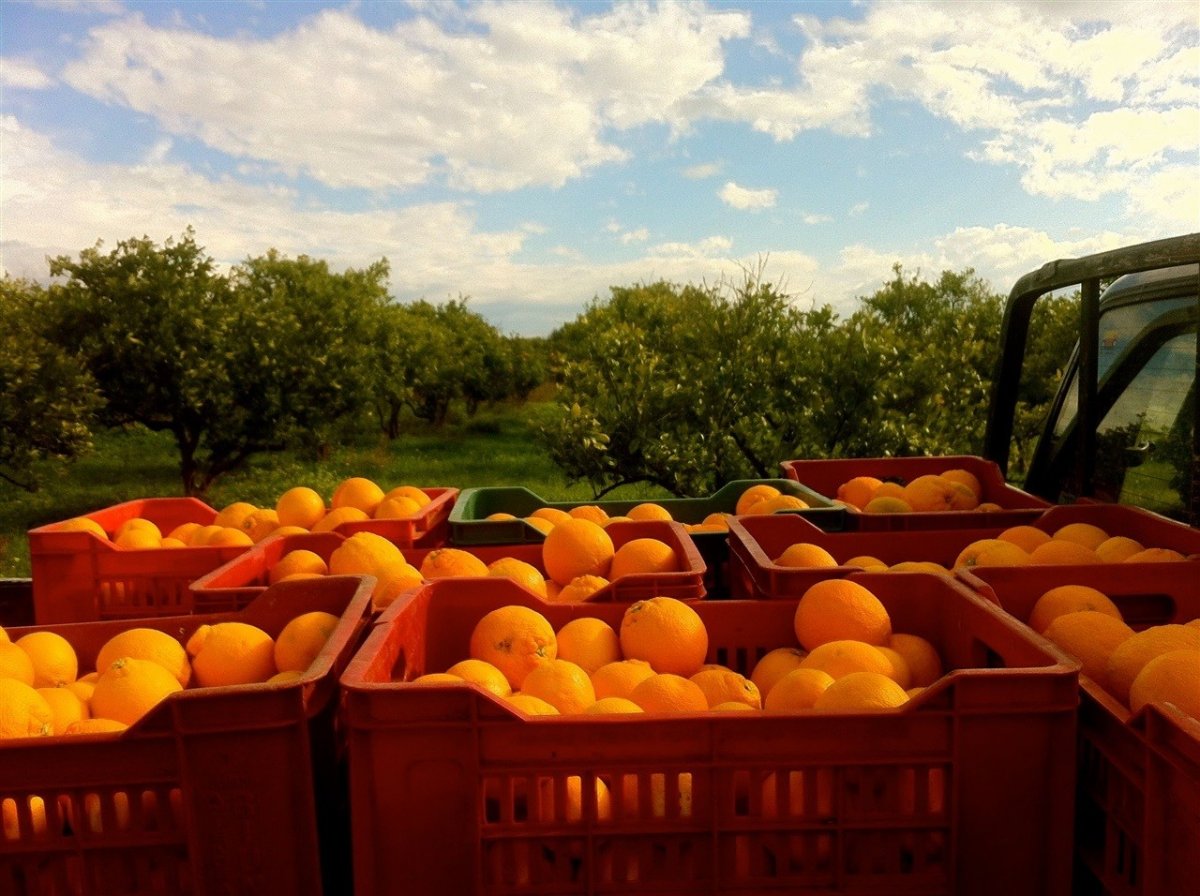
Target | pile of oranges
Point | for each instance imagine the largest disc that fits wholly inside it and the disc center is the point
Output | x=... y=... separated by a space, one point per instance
x=44 y=694
x=845 y=658
x=1159 y=664
x=954 y=489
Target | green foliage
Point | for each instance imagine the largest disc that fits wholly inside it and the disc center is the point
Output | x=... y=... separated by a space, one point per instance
x=47 y=399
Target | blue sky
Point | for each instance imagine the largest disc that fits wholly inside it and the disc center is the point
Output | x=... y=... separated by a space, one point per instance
x=531 y=155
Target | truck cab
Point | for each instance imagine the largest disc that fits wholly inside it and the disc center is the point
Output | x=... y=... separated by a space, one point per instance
x=1123 y=426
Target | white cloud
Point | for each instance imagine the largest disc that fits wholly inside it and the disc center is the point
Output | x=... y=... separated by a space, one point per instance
x=21 y=74
x=859 y=208
x=814 y=218
x=635 y=236
x=702 y=171
x=743 y=198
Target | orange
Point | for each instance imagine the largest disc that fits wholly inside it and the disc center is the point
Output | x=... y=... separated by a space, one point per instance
x=1085 y=534
x=184 y=532
x=519 y=571
x=1090 y=637
x=83 y=524
x=285 y=677
x=227 y=536
x=773 y=665
x=13 y=827
x=451 y=563
x=53 y=657
x=396 y=509
x=588 y=642
x=890 y=489
x=1132 y=654
x=500 y=515
x=169 y=542
x=82 y=689
x=992 y=552
x=592 y=512
x=579 y=588
x=531 y=705
x=900 y=673
x=964 y=498
x=552 y=515
x=553 y=804
x=1155 y=555
x=147 y=644
x=201 y=536
x=649 y=511
x=300 y=641
x=411 y=492
x=514 y=639
x=1069 y=599
x=138 y=539
x=234 y=514
x=358 y=492
x=918 y=566
x=261 y=523
x=438 y=678
x=924 y=663
x=1118 y=548
x=392 y=580
x=930 y=493
x=337 y=516
x=967 y=478
x=229 y=653
x=66 y=706
x=839 y=609
x=363 y=553
x=841 y=658
x=732 y=706
x=618 y=679
x=867 y=562
x=300 y=506
x=611 y=705
x=130 y=688
x=752 y=496
x=1059 y=551
x=798 y=689
x=772 y=505
x=667 y=692
x=561 y=683
x=15 y=663
x=858 y=491
x=298 y=560
x=138 y=523
x=861 y=692
x=643 y=555
x=1172 y=678
x=483 y=674
x=95 y=726
x=541 y=524
x=887 y=504
x=666 y=633
x=726 y=686
x=23 y=711
x=1025 y=537
x=804 y=555
x=577 y=547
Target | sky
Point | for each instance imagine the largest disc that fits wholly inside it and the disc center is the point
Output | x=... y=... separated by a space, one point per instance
x=528 y=156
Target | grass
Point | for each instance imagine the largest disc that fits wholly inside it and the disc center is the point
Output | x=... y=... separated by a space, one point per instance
x=494 y=448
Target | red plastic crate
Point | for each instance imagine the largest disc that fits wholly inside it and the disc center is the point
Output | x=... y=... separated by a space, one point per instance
x=78 y=577
x=965 y=790
x=228 y=790
x=825 y=476
x=235 y=583
x=1138 y=790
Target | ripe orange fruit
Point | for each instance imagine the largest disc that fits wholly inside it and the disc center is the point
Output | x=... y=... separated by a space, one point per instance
x=618 y=679
x=138 y=539
x=1085 y=534
x=992 y=552
x=649 y=511
x=337 y=516
x=392 y=580
x=611 y=705
x=588 y=642
x=358 y=492
x=805 y=555
x=930 y=493
x=924 y=663
x=1132 y=654
x=552 y=515
x=578 y=589
x=592 y=512
x=752 y=496
x=363 y=553
x=1173 y=679
x=298 y=560
x=666 y=633
x=95 y=726
x=53 y=657
x=643 y=555
x=1059 y=551
x=839 y=609
x=301 y=640
x=229 y=653
x=726 y=686
x=300 y=506
x=234 y=514
x=438 y=678
x=137 y=522
x=967 y=478
x=887 y=504
x=1118 y=548
x=83 y=524
x=531 y=705
x=15 y=663
x=798 y=689
x=867 y=562
x=773 y=665
x=451 y=563
x=1069 y=599
x=23 y=711
x=540 y=523
x=780 y=502
x=483 y=674
x=396 y=509
x=1155 y=555
x=66 y=706
x=147 y=644
x=840 y=658
x=1025 y=537
x=261 y=523
x=519 y=571
x=900 y=673
x=577 y=547
x=411 y=492
x=861 y=692
x=226 y=536
x=667 y=692
x=184 y=532
x=1090 y=637
x=514 y=639
x=561 y=683
x=129 y=688
x=858 y=491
